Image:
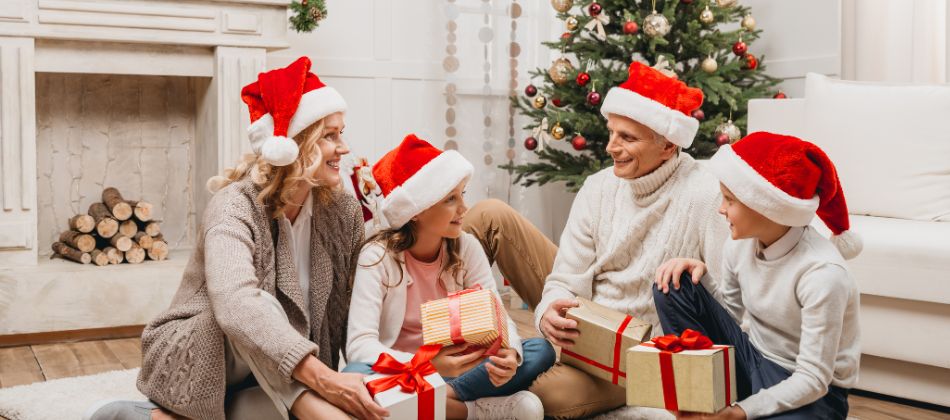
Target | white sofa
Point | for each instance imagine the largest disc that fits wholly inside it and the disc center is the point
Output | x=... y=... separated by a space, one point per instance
x=891 y=145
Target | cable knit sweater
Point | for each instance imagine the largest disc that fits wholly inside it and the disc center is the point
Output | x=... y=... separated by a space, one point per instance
x=619 y=231
x=242 y=253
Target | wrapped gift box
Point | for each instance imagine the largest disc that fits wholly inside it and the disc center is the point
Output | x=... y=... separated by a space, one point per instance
x=701 y=381
x=473 y=316
x=605 y=335
x=425 y=402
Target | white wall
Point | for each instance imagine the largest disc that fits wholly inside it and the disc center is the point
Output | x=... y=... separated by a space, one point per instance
x=387 y=61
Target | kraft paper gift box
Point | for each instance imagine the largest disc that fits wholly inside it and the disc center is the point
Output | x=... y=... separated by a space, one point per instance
x=473 y=316
x=701 y=381
x=424 y=401
x=605 y=335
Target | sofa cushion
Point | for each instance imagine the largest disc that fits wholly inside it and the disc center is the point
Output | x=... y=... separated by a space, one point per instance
x=891 y=144
x=904 y=259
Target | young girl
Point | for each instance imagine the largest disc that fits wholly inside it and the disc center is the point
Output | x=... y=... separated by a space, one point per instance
x=423 y=256
x=801 y=353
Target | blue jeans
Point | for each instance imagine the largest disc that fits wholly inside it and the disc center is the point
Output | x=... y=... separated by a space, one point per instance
x=537 y=354
x=693 y=307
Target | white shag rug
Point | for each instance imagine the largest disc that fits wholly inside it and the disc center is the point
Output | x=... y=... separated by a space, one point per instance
x=67 y=398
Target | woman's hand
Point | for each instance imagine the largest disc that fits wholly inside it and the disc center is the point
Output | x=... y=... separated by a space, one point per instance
x=733 y=412
x=344 y=390
x=671 y=271
x=451 y=363
x=502 y=367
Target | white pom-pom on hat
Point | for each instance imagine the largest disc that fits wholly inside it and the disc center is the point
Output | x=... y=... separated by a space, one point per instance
x=279 y=151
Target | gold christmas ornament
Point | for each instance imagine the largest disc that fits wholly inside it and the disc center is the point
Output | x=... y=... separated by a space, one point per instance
x=557 y=132
x=656 y=25
x=562 y=5
x=748 y=22
x=707 y=16
x=561 y=70
x=709 y=65
x=539 y=102
x=571 y=23
x=726 y=3
x=729 y=129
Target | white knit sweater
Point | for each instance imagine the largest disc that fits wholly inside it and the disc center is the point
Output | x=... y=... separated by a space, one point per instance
x=619 y=231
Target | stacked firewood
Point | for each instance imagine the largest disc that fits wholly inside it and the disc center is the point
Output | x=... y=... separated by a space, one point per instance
x=113 y=231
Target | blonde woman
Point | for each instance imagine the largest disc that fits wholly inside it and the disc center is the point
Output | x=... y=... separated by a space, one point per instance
x=257 y=325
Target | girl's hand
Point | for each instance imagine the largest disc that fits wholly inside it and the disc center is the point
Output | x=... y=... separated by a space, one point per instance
x=729 y=413
x=502 y=367
x=451 y=363
x=671 y=271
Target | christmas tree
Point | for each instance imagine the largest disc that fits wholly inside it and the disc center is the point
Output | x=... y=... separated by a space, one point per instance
x=685 y=38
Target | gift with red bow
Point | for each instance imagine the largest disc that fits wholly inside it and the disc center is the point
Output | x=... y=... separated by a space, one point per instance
x=681 y=373
x=409 y=390
x=606 y=335
x=473 y=316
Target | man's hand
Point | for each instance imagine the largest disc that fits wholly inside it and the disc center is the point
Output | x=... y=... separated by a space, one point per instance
x=729 y=413
x=502 y=367
x=672 y=270
x=452 y=363
x=558 y=329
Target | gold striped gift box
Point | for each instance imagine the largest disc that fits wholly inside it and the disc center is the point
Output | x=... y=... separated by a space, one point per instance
x=480 y=316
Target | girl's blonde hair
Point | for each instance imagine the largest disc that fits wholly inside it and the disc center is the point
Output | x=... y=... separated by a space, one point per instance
x=279 y=183
x=395 y=241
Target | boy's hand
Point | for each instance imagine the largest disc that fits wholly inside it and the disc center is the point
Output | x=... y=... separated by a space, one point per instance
x=502 y=367
x=729 y=413
x=670 y=272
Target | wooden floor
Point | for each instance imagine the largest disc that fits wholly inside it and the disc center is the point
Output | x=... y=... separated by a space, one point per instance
x=28 y=364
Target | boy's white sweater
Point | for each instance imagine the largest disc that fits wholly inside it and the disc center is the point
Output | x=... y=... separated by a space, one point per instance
x=620 y=230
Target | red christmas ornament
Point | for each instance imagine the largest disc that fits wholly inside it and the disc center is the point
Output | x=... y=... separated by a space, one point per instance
x=751 y=63
x=686 y=1
x=579 y=142
x=530 y=143
x=595 y=9
x=699 y=114
x=557 y=102
x=630 y=27
x=593 y=98
x=566 y=36
x=583 y=78
x=530 y=90
x=739 y=48
x=779 y=95
x=722 y=139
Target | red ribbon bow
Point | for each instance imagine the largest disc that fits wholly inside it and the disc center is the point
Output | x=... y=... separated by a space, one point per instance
x=688 y=340
x=455 y=320
x=410 y=377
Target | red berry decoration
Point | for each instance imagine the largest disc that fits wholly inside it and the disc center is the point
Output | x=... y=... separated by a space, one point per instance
x=595 y=9
x=779 y=95
x=699 y=114
x=579 y=142
x=530 y=143
x=593 y=98
x=583 y=78
x=722 y=139
x=630 y=27
x=739 y=48
x=751 y=63
x=530 y=90
x=557 y=102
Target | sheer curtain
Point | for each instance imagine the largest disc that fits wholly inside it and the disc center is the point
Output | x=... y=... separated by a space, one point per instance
x=900 y=41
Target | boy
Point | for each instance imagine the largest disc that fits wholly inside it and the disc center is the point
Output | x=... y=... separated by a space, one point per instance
x=801 y=353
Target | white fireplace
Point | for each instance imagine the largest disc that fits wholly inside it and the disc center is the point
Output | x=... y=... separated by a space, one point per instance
x=143 y=95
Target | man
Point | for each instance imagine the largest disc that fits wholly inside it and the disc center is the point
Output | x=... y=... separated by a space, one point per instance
x=653 y=204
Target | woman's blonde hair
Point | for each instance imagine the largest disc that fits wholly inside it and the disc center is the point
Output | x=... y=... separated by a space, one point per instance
x=279 y=183
x=395 y=241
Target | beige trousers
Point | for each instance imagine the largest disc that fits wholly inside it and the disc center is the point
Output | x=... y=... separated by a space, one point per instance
x=255 y=392
x=525 y=257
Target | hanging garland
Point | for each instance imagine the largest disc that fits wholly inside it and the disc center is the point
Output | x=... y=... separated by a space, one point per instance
x=307 y=14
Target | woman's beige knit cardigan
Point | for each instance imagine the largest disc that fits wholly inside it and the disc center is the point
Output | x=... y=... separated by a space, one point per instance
x=234 y=261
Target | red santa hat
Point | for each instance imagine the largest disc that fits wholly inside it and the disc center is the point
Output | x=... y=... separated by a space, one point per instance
x=787 y=180
x=655 y=100
x=282 y=103
x=414 y=176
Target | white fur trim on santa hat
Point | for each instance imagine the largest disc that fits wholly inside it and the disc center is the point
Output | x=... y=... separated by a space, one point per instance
x=279 y=151
x=756 y=192
x=314 y=105
x=678 y=128
x=426 y=187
